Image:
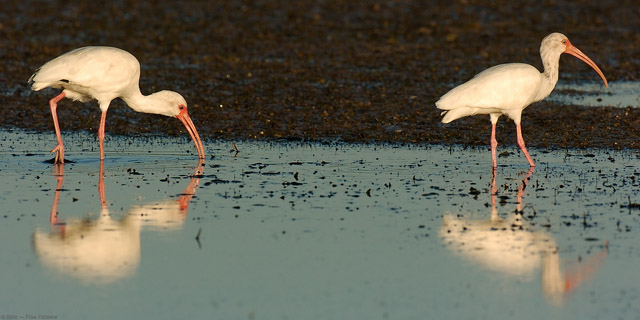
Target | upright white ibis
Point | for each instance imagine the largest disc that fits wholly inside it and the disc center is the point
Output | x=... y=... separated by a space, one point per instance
x=509 y=88
x=106 y=73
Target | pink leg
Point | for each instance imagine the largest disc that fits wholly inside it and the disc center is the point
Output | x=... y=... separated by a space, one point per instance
x=103 y=119
x=53 y=103
x=521 y=145
x=494 y=146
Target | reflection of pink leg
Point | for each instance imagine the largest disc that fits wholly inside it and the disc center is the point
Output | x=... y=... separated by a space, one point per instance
x=103 y=120
x=494 y=192
x=522 y=187
x=53 y=103
x=494 y=146
x=494 y=184
x=101 y=189
x=521 y=145
x=53 y=217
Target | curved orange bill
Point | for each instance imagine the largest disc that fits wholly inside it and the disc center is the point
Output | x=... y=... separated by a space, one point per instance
x=578 y=54
x=191 y=128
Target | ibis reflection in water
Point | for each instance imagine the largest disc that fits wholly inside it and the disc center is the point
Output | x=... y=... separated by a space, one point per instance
x=513 y=247
x=106 y=249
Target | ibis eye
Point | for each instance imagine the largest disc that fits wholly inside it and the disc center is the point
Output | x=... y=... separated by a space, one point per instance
x=564 y=41
x=181 y=107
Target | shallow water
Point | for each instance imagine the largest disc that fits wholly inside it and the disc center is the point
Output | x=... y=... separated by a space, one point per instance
x=621 y=94
x=316 y=231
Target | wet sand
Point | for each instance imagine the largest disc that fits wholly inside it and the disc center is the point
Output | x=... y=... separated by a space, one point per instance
x=303 y=70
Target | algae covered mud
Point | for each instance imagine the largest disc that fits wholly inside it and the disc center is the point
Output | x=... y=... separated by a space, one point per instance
x=316 y=231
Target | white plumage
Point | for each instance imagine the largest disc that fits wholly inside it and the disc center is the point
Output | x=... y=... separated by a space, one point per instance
x=489 y=88
x=103 y=74
x=507 y=89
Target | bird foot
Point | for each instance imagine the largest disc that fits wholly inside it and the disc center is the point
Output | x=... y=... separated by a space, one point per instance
x=59 y=150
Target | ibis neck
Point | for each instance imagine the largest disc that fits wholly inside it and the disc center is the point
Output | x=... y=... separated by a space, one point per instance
x=141 y=103
x=550 y=74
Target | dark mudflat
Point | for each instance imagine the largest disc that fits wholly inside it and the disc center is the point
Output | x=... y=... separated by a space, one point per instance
x=359 y=72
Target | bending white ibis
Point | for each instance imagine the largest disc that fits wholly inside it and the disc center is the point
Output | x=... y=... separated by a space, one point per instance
x=509 y=88
x=106 y=73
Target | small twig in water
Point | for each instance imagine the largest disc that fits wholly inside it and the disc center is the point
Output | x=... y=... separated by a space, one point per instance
x=198 y=238
x=631 y=205
x=235 y=149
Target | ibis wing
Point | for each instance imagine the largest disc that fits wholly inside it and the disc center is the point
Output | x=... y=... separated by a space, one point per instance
x=503 y=87
x=100 y=68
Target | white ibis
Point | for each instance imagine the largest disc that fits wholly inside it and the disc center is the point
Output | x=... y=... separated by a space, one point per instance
x=509 y=88
x=106 y=73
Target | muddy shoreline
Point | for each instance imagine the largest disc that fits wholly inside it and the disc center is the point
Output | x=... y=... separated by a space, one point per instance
x=356 y=72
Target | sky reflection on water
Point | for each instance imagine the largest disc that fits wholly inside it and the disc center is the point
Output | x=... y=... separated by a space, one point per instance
x=104 y=249
x=294 y=230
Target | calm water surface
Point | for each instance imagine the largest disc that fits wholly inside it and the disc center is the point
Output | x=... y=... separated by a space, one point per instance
x=312 y=231
x=620 y=94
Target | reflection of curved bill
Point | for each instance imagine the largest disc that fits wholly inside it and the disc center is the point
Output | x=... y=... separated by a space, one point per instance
x=105 y=250
x=511 y=247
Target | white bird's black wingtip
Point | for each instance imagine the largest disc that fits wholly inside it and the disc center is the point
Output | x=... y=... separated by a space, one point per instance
x=32 y=76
